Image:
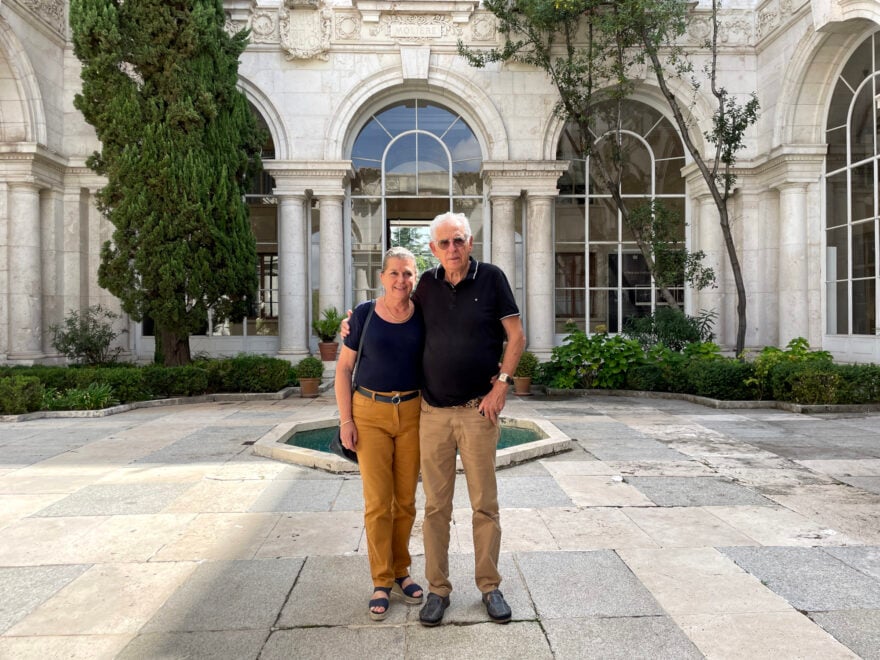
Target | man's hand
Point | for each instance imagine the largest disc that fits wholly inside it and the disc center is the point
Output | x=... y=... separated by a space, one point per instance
x=344 y=329
x=493 y=403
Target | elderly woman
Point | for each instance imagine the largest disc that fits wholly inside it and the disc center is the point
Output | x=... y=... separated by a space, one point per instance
x=380 y=420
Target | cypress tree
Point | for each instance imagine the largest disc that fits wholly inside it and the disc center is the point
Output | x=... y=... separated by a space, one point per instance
x=178 y=148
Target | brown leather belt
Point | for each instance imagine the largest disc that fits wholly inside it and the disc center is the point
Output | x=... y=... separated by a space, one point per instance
x=395 y=398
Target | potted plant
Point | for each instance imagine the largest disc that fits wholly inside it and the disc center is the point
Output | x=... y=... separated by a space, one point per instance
x=309 y=372
x=525 y=371
x=326 y=328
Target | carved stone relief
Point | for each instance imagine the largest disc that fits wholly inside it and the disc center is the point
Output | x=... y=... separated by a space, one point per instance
x=415 y=28
x=304 y=29
x=348 y=26
x=483 y=28
x=50 y=11
x=264 y=27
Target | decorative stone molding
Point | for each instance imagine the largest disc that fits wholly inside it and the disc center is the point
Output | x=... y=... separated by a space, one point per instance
x=774 y=14
x=416 y=28
x=304 y=29
x=264 y=27
x=372 y=10
x=51 y=12
x=348 y=26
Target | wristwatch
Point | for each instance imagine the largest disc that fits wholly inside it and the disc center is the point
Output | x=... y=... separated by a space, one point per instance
x=503 y=377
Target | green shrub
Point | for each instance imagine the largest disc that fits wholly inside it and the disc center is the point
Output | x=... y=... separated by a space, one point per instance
x=767 y=361
x=86 y=337
x=95 y=396
x=721 y=379
x=670 y=327
x=861 y=383
x=255 y=373
x=309 y=367
x=328 y=325
x=599 y=361
x=127 y=384
x=20 y=394
x=188 y=380
x=527 y=366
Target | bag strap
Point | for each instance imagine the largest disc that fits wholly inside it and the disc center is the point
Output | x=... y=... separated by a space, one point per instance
x=361 y=345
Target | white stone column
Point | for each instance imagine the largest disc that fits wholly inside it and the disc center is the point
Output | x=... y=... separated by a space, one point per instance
x=503 y=236
x=540 y=294
x=332 y=267
x=293 y=281
x=71 y=286
x=792 y=287
x=711 y=241
x=25 y=273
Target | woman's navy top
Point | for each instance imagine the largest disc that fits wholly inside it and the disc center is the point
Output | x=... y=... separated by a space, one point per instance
x=391 y=357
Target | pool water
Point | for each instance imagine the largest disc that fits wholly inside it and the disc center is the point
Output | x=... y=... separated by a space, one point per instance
x=319 y=439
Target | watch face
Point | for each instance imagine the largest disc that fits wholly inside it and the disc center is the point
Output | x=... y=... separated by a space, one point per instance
x=503 y=377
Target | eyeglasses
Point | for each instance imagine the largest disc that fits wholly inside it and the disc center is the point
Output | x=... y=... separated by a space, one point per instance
x=458 y=241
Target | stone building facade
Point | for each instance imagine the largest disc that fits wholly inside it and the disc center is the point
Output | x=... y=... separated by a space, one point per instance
x=376 y=125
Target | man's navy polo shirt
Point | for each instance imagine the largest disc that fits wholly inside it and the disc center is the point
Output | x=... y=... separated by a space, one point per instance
x=463 y=331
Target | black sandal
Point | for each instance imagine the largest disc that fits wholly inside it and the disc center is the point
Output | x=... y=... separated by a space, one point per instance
x=407 y=593
x=380 y=602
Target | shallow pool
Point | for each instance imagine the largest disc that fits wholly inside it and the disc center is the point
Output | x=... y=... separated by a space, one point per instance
x=319 y=439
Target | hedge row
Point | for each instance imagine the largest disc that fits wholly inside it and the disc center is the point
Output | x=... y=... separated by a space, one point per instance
x=25 y=389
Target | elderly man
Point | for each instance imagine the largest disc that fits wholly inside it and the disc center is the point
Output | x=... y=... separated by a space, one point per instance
x=469 y=310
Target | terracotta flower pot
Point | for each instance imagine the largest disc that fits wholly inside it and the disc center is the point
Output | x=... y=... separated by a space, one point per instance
x=522 y=385
x=308 y=387
x=328 y=350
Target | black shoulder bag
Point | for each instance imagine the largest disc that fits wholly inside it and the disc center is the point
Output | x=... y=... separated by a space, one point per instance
x=336 y=445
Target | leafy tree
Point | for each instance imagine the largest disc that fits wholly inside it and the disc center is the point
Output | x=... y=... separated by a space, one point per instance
x=178 y=148
x=594 y=53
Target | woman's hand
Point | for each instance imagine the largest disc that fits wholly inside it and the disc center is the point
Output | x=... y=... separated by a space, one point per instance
x=348 y=436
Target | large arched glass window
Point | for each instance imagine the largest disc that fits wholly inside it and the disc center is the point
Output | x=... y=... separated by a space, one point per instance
x=852 y=210
x=413 y=160
x=601 y=277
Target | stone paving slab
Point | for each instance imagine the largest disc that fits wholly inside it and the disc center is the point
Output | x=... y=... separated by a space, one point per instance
x=762 y=635
x=870 y=484
x=700 y=581
x=865 y=558
x=857 y=629
x=298 y=496
x=778 y=526
x=77 y=647
x=216 y=536
x=115 y=499
x=833 y=585
x=228 y=595
x=594 y=583
x=380 y=641
x=215 y=645
x=620 y=638
x=24 y=588
x=594 y=529
x=686 y=527
x=118 y=599
x=695 y=491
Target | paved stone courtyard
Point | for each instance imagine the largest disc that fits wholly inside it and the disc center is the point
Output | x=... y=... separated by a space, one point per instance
x=671 y=531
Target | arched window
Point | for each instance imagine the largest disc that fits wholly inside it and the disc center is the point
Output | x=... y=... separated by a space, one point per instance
x=413 y=160
x=852 y=210
x=601 y=276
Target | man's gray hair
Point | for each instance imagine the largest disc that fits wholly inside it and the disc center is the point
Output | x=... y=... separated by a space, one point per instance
x=449 y=216
x=399 y=252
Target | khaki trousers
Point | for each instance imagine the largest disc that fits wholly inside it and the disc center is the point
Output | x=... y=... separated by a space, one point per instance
x=388 y=455
x=443 y=431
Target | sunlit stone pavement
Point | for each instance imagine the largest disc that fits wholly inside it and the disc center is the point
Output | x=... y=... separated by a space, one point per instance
x=672 y=531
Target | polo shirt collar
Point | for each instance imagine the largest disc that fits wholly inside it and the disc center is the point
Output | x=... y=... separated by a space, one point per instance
x=473 y=267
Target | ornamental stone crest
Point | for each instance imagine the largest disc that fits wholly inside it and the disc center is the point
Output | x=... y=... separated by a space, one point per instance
x=304 y=29
x=264 y=27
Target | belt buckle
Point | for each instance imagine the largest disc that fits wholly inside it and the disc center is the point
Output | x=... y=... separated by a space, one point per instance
x=395 y=398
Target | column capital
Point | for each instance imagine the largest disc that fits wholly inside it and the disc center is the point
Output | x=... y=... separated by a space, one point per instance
x=511 y=177
x=319 y=177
